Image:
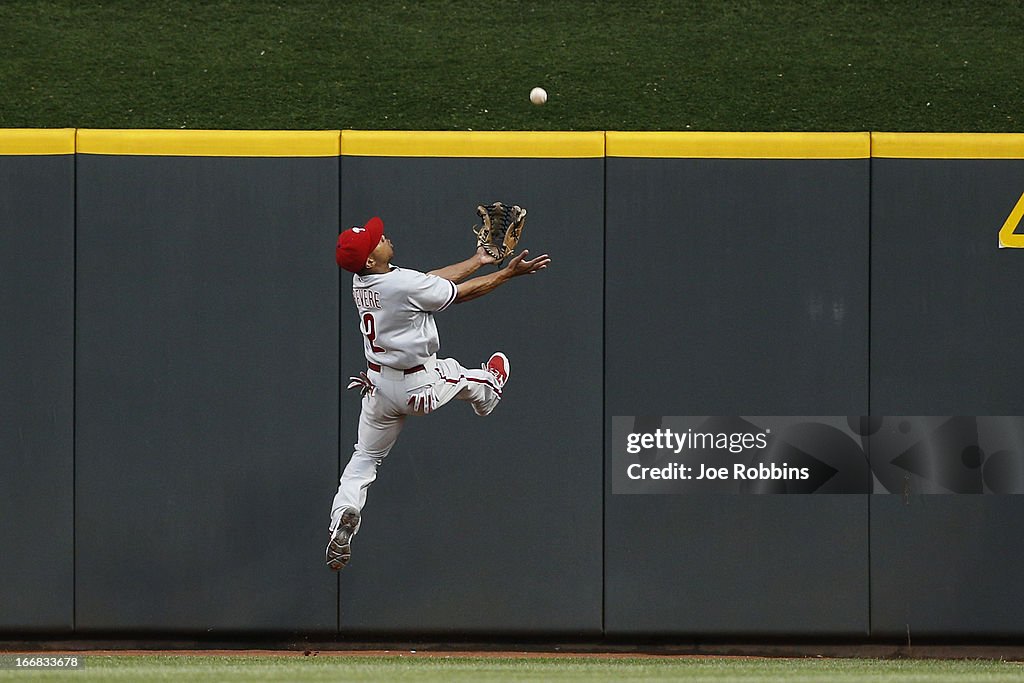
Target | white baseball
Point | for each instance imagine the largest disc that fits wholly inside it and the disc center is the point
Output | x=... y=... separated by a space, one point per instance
x=538 y=96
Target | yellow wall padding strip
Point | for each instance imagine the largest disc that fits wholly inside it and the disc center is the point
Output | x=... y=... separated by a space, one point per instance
x=543 y=144
x=25 y=141
x=948 y=145
x=496 y=144
x=709 y=145
x=211 y=143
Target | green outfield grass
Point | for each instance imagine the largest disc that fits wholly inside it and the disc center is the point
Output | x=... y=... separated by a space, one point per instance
x=834 y=65
x=439 y=668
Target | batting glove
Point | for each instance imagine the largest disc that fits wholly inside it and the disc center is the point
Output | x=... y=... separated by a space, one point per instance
x=363 y=383
x=423 y=400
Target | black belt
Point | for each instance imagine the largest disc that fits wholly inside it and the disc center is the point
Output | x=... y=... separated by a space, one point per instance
x=410 y=371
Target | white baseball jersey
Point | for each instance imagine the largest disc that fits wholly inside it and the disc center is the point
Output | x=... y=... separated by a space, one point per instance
x=396 y=315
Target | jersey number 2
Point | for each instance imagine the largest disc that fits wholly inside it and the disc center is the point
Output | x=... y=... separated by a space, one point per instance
x=370 y=330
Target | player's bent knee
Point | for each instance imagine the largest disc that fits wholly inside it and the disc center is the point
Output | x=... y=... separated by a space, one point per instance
x=485 y=410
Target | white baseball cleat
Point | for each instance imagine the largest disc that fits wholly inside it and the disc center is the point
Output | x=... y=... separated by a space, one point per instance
x=498 y=366
x=339 y=550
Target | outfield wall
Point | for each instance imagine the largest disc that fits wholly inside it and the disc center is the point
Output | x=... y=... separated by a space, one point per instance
x=37 y=273
x=475 y=525
x=945 y=317
x=206 y=392
x=730 y=257
x=178 y=338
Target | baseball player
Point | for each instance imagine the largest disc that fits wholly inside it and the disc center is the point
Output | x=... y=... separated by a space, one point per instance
x=404 y=376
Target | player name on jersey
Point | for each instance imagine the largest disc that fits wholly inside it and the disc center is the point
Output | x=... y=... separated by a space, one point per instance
x=366 y=298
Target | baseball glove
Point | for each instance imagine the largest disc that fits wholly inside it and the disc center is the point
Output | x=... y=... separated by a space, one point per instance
x=502 y=227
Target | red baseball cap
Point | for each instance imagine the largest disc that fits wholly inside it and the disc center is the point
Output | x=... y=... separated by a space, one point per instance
x=357 y=243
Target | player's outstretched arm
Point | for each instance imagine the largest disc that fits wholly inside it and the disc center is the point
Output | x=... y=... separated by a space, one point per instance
x=478 y=286
x=457 y=272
